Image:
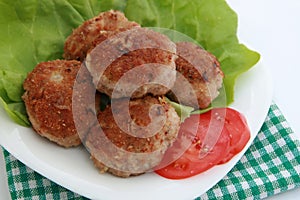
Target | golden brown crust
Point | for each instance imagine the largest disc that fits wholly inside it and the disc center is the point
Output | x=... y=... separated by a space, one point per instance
x=48 y=100
x=94 y=31
x=124 y=163
x=202 y=70
x=102 y=169
x=142 y=58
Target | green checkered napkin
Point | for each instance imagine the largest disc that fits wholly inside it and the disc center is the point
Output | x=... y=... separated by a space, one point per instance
x=270 y=166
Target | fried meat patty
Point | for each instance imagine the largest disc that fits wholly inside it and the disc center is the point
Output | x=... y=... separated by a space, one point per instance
x=202 y=76
x=133 y=63
x=132 y=146
x=48 y=100
x=94 y=31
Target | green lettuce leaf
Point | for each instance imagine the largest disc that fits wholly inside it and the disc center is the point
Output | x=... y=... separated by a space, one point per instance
x=16 y=111
x=182 y=110
x=11 y=91
x=33 y=31
x=113 y=4
x=11 y=83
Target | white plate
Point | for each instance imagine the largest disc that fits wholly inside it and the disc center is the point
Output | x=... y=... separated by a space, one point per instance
x=72 y=168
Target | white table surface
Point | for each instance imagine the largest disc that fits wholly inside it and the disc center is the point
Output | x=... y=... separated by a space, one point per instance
x=271 y=27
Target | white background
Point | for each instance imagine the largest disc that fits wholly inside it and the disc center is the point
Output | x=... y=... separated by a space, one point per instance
x=271 y=27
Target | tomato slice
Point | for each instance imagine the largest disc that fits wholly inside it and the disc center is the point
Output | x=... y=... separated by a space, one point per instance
x=188 y=148
x=190 y=163
x=239 y=133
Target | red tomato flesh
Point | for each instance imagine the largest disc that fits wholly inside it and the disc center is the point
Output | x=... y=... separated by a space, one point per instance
x=238 y=132
x=187 y=150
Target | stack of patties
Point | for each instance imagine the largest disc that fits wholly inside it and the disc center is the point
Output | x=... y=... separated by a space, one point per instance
x=135 y=68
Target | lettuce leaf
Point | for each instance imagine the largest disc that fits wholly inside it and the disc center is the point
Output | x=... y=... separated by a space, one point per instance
x=33 y=31
x=16 y=111
x=11 y=91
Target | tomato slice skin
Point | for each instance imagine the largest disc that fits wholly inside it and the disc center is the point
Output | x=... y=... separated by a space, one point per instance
x=233 y=137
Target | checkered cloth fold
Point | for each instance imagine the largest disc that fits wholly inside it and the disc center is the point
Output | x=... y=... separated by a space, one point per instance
x=271 y=165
